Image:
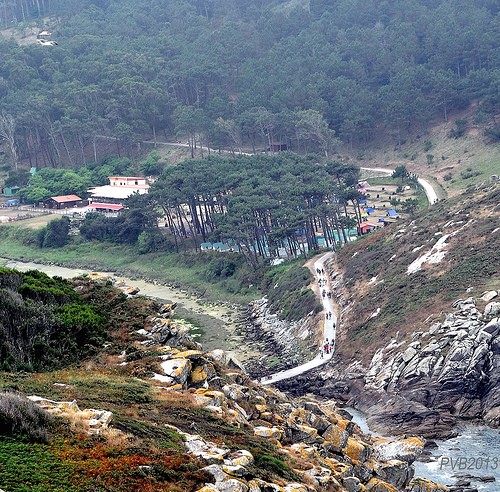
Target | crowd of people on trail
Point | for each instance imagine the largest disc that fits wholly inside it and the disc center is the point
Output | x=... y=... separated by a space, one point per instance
x=327 y=347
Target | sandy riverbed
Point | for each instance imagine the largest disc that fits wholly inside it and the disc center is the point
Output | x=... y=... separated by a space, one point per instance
x=215 y=324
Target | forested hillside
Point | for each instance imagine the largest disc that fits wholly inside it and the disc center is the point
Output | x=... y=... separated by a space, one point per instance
x=239 y=73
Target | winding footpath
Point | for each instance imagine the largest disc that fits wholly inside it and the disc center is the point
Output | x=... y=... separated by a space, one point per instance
x=329 y=332
x=430 y=192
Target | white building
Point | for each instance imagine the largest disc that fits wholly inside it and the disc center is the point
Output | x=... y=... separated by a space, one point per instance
x=119 y=188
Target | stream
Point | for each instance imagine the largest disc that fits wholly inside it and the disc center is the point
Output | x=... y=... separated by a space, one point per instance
x=213 y=325
x=475 y=453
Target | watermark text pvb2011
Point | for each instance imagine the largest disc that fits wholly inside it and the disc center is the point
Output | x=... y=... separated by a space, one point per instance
x=470 y=463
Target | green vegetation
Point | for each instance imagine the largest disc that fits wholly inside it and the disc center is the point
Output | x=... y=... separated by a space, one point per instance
x=232 y=74
x=48 y=323
x=28 y=467
x=288 y=290
x=186 y=269
x=258 y=204
x=54 y=182
x=44 y=322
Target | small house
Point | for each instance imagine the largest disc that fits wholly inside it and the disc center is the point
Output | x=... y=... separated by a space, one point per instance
x=106 y=207
x=119 y=189
x=11 y=190
x=63 y=201
x=392 y=213
x=278 y=147
x=365 y=228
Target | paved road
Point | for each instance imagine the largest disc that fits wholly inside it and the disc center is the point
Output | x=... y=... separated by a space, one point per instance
x=430 y=192
x=329 y=329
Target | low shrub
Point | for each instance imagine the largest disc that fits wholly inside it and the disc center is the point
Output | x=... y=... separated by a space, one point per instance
x=20 y=416
x=469 y=173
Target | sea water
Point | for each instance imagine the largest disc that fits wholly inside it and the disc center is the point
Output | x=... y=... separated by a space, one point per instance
x=474 y=452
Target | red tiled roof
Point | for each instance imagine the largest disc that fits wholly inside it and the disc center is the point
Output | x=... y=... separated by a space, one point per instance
x=106 y=206
x=65 y=198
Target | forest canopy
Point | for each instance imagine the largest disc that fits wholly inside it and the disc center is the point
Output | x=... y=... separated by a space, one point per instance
x=235 y=73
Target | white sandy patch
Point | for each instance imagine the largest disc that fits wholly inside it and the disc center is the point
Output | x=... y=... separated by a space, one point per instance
x=435 y=255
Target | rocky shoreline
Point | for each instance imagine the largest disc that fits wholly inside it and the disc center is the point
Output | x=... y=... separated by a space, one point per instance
x=330 y=451
x=423 y=385
x=287 y=343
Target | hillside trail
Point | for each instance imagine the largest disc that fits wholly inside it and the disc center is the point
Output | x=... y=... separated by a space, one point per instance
x=330 y=325
x=329 y=330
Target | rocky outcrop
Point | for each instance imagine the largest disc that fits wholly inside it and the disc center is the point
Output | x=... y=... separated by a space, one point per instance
x=332 y=450
x=89 y=420
x=162 y=330
x=309 y=445
x=422 y=385
x=450 y=370
x=289 y=340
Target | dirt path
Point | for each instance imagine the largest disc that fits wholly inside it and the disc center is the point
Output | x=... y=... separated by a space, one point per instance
x=430 y=192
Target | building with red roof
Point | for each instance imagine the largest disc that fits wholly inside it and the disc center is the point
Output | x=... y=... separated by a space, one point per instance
x=106 y=207
x=64 y=201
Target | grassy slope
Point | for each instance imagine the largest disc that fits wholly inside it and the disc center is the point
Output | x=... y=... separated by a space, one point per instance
x=125 y=260
x=406 y=302
x=77 y=462
x=470 y=151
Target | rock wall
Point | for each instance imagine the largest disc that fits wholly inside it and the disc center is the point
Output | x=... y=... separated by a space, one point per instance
x=291 y=342
x=453 y=369
x=422 y=385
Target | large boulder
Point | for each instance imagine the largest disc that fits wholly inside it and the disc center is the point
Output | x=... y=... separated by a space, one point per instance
x=399 y=416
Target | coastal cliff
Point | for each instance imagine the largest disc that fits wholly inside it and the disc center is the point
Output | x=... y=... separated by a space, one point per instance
x=418 y=338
